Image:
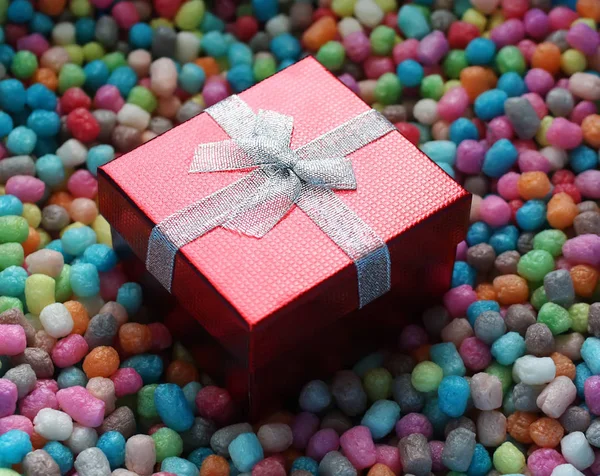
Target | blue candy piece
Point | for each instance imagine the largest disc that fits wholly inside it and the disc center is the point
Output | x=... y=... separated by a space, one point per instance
x=435 y=415
x=56 y=245
x=463 y=129
x=481 y=463
x=532 y=215
x=19 y=11
x=480 y=52
x=315 y=396
x=96 y=75
x=41 y=23
x=213 y=44
x=490 y=104
x=478 y=232
x=14 y=445
x=508 y=348
x=190 y=391
x=453 y=395
x=265 y=9
x=12 y=95
x=6 y=55
x=245 y=451
x=447 y=357
x=583 y=158
x=71 y=377
x=285 y=63
x=149 y=366
x=479 y=307
x=410 y=73
x=101 y=256
x=12 y=281
x=98 y=156
x=21 y=141
x=499 y=158
x=85 y=29
x=124 y=79
x=140 y=36
x=179 y=466
x=461 y=6
x=40 y=97
x=112 y=445
x=10 y=205
x=44 y=123
x=582 y=373
x=6 y=124
x=61 y=454
x=446 y=168
x=84 y=280
x=240 y=53
x=304 y=463
x=504 y=239
x=369 y=362
x=440 y=151
x=129 y=296
x=172 y=407
x=211 y=22
x=191 y=78
x=463 y=273
x=199 y=455
x=286 y=47
x=45 y=145
x=412 y=22
x=241 y=77
x=381 y=418
x=512 y=84
x=76 y=240
x=590 y=353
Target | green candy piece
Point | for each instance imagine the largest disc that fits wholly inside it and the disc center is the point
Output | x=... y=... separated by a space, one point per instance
x=382 y=40
x=504 y=374
x=508 y=459
x=168 y=443
x=426 y=376
x=8 y=302
x=244 y=10
x=81 y=8
x=388 y=89
x=264 y=67
x=70 y=76
x=510 y=59
x=343 y=8
x=11 y=254
x=143 y=97
x=539 y=298
x=63 y=291
x=114 y=60
x=76 y=55
x=536 y=264
x=24 y=64
x=13 y=229
x=454 y=63
x=39 y=292
x=145 y=402
x=378 y=384
x=332 y=55
x=579 y=314
x=556 y=317
x=387 y=5
x=432 y=87
x=551 y=241
x=3 y=10
x=190 y=15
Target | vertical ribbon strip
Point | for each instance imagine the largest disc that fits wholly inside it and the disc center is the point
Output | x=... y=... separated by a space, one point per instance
x=281 y=178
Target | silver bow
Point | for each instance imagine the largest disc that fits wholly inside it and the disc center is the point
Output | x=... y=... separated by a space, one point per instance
x=282 y=177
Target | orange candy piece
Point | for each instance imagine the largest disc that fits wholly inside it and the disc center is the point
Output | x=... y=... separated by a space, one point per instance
x=63 y=199
x=32 y=243
x=47 y=77
x=83 y=210
x=135 y=338
x=589 y=9
x=80 y=316
x=546 y=56
x=51 y=7
x=102 y=361
x=511 y=289
x=421 y=353
x=380 y=470
x=486 y=292
x=546 y=432
x=37 y=441
x=209 y=65
x=533 y=185
x=591 y=130
x=517 y=426
x=476 y=80
x=561 y=211
x=319 y=33
x=564 y=365
x=585 y=279
x=181 y=373
x=214 y=465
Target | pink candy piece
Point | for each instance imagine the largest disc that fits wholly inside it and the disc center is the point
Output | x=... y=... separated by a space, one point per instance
x=376 y=66
x=69 y=351
x=414 y=423
x=583 y=249
x=561 y=18
x=475 y=354
x=507 y=186
x=108 y=97
x=110 y=282
x=508 y=33
x=588 y=183
x=436 y=448
x=412 y=336
x=213 y=92
x=527 y=48
x=16 y=422
x=461 y=251
x=595 y=467
x=591 y=389
x=583 y=38
x=499 y=128
x=432 y=48
x=533 y=161
x=408 y=49
x=564 y=134
x=536 y=23
x=543 y=461
x=304 y=426
x=25 y=188
x=453 y=104
x=358 y=46
x=125 y=14
x=458 y=299
x=358 y=447
x=562 y=263
x=35 y=43
x=321 y=443
x=47 y=383
x=470 y=155
x=127 y=382
x=8 y=397
x=81 y=406
x=37 y=400
x=390 y=456
x=495 y=211
x=83 y=184
x=539 y=81
x=102 y=3
x=12 y=339
x=537 y=103
x=582 y=110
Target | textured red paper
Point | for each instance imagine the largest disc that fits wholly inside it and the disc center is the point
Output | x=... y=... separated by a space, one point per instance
x=258 y=295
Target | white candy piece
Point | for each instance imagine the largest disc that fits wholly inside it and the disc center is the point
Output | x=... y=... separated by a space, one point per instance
x=57 y=320
x=48 y=262
x=425 y=111
x=123 y=472
x=92 y=462
x=186 y=47
x=557 y=396
x=81 y=438
x=349 y=25
x=534 y=370
x=134 y=116
x=278 y=25
x=585 y=85
x=577 y=451
x=368 y=13
x=72 y=153
x=558 y=158
x=63 y=33
x=566 y=470
x=53 y=424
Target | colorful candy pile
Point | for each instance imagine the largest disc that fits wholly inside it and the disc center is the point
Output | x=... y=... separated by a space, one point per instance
x=504 y=378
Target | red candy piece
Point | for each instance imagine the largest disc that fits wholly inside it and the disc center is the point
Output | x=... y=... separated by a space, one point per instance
x=391 y=20
x=269 y=467
x=13 y=33
x=74 y=98
x=570 y=189
x=83 y=125
x=409 y=131
x=563 y=176
x=514 y=207
x=215 y=404
x=461 y=33
x=167 y=8
x=323 y=12
x=514 y=8
x=246 y=27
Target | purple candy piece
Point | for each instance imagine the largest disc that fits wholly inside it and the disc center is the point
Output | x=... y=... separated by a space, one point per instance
x=583 y=249
x=432 y=48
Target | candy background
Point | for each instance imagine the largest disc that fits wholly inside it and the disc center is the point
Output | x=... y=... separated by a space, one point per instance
x=503 y=378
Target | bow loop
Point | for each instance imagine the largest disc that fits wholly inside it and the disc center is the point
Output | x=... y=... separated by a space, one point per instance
x=336 y=173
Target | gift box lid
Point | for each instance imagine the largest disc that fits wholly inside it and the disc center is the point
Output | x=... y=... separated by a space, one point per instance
x=234 y=283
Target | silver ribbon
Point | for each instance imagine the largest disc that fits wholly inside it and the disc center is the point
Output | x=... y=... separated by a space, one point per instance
x=282 y=177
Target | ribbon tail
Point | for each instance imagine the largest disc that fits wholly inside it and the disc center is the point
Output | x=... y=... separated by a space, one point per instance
x=357 y=239
x=195 y=220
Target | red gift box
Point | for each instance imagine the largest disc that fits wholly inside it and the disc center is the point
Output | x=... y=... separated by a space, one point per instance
x=258 y=296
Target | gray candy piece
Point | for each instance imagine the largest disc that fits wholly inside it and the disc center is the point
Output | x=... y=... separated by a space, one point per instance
x=415 y=454
x=587 y=223
x=220 y=440
x=107 y=31
x=188 y=110
x=40 y=463
x=462 y=422
x=489 y=326
x=164 y=42
x=405 y=395
x=593 y=434
x=523 y=117
x=458 y=449
x=539 y=340
x=442 y=19
x=337 y=421
x=559 y=38
x=575 y=419
x=125 y=138
x=335 y=463
x=260 y=42
x=107 y=120
x=348 y=393
x=314 y=396
x=506 y=263
x=435 y=319
x=525 y=242
x=38 y=359
x=399 y=364
x=477 y=185
x=559 y=289
x=23 y=377
x=594 y=319
x=481 y=257
x=560 y=102
x=519 y=318
x=17 y=165
x=101 y=330
x=198 y=435
x=159 y=124
x=491 y=428
x=92 y=462
x=55 y=218
x=588 y=206
x=121 y=420
x=394 y=113
x=525 y=397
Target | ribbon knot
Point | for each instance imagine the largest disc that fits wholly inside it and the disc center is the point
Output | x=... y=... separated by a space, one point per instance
x=279 y=178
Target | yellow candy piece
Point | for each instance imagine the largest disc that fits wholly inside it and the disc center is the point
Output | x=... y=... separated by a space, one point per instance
x=496 y=19
x=573 y=61
x=587 y=21
x=476 y=18
x=156 y=22
x=2 y=192
x=540 y=136
x=451 y=83
x=102 y=229
x=39 y=293
x=75 y=54
x=378 y=106
x=343 y=8
x=199 y=99
x=387 y=5
x=32 y=213
x=77 y=224
x=190 y=15
x=45 y=238
x=34 y=321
